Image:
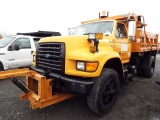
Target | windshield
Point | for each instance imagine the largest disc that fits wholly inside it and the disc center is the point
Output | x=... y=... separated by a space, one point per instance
x=104 y=27
x=5 y=41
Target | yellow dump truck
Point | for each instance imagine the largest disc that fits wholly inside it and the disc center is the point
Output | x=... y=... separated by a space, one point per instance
x=100 y=55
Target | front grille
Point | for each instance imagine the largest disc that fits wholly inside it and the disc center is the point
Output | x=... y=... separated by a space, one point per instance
x=51 y=57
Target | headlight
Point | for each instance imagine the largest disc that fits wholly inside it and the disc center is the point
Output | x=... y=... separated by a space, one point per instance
x=34 y=58
x=86 y=66
x=80 y=65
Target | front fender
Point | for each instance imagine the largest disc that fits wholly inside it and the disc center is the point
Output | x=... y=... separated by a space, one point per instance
x=84 y=55
x=103 y=58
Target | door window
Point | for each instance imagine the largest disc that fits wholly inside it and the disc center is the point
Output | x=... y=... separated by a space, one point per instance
x=121 y=31
x=23 y=43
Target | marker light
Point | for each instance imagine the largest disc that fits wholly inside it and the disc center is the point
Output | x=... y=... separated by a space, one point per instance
x=103 y=14
x=92 y=36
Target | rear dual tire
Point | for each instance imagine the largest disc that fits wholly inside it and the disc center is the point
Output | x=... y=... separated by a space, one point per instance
x=148 y=73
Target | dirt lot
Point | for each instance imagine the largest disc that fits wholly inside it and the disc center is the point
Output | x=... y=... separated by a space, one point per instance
x=140 y=100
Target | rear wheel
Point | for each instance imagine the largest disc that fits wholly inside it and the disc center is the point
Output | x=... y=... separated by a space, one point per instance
x=139 y=72
x=150 y=71
x=104 y=92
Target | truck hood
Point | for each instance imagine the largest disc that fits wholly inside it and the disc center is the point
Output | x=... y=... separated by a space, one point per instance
x=72 y=43
x=78 y=45
x=72 y=40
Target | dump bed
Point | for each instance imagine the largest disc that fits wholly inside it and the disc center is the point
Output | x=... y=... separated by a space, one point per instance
x=144 y=41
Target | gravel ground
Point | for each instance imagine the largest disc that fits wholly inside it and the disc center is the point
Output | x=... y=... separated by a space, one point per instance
x=140 y=100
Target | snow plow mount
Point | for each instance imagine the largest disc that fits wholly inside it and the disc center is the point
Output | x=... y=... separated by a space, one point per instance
x=37 y=89
x=14 y=73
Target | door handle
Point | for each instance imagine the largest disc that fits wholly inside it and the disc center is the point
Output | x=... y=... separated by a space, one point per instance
x=11 y=59
x=31 y=52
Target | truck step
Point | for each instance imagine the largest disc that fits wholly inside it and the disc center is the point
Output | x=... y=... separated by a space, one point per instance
x=129 y=75
x=129 y=71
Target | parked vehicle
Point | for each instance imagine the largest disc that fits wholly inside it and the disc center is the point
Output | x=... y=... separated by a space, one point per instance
x=16 y=51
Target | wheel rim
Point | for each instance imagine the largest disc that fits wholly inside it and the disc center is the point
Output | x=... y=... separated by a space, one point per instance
x=109 y=92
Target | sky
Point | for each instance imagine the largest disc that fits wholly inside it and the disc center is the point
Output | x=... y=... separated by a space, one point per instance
x=59 y=15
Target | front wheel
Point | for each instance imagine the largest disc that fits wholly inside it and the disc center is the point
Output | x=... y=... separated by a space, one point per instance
x=104 y=92
x=1 y=67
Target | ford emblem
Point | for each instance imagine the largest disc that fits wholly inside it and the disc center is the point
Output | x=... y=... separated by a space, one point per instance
x=47 y=55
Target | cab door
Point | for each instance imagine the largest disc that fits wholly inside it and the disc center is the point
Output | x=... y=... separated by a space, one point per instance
x=21 y=57
x=122 y=43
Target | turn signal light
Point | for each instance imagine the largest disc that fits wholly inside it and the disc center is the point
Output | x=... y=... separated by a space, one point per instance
x=92 y=66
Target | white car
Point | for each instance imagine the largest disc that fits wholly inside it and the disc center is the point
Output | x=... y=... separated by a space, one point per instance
x=16 y=51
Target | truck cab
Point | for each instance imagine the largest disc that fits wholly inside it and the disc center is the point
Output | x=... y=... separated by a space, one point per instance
x=115 y=35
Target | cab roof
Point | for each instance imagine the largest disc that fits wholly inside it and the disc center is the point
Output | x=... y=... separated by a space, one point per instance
x=121 y=17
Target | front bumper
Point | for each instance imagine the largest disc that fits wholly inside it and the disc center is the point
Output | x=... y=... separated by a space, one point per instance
x=69 y=84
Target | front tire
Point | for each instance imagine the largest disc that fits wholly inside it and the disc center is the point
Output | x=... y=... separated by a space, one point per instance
x=1 y=67
x=104 y=92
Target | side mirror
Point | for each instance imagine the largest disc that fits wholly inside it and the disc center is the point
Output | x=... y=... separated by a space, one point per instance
x=131 y=30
